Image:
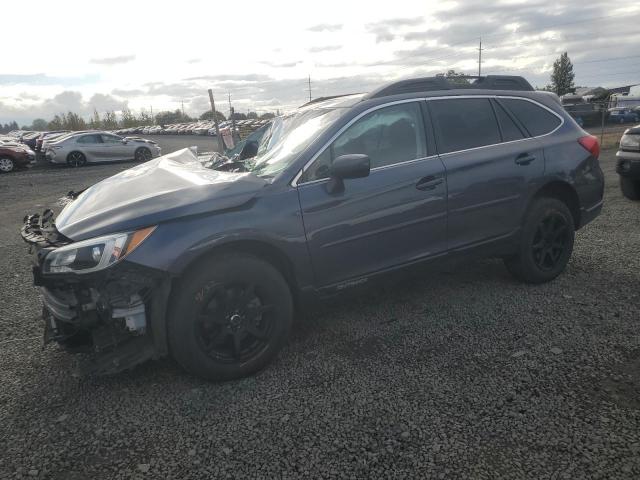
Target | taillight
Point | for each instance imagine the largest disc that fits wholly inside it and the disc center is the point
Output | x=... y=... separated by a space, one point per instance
x=590 y=144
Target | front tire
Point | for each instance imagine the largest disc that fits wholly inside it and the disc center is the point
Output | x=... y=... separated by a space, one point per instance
x=630 y=188
x=76 y=159
x=546 y=242
x=229 y=317
x=7 y=165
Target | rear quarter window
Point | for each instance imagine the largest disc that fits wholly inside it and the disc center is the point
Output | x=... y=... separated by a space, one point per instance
x=535 y=119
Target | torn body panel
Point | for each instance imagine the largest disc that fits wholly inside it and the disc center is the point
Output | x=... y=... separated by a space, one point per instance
x=116 y=315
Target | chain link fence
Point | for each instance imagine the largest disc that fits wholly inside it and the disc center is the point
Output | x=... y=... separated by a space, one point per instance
x=605 y=120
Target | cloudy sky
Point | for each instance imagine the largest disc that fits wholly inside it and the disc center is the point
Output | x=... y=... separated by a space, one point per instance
x=160 y=55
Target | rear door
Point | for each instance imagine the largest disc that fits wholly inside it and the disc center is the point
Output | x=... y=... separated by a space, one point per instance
x=491 y=163
x=395 y=216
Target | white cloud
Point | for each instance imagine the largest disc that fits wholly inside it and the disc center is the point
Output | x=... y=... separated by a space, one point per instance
x=273 y=50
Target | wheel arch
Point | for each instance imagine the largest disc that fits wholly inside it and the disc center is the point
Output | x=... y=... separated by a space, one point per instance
x=258 y=248
x=564 y=192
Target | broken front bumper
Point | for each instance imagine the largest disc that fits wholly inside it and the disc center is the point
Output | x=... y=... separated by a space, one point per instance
x=117 y=315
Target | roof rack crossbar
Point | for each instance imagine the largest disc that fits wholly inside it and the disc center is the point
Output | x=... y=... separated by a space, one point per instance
x=440 y=82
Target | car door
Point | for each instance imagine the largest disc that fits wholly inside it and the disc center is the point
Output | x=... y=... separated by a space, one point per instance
x=394 y=216
x=114 y=148
x=490 y=165
x=92 y=147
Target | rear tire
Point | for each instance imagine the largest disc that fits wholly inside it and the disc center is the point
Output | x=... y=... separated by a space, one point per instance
x=143 y=154
x=230 y=317
x=546 y=242
x=7 y=165
x=76 y=159
x=630 y=188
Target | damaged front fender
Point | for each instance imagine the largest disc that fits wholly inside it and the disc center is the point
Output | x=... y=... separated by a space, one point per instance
x=117 y=315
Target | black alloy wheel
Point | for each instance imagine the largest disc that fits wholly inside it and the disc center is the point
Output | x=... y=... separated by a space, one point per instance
x=229 y=316
x=234 y=323
x=546 y=242
x=550 y=242
x=143 y=154
x=76 y=159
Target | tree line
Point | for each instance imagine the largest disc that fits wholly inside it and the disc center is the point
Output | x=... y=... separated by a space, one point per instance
x=562 y=83
x=109 y=120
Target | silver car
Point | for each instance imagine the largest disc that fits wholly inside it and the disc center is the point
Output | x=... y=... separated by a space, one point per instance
x=77 y=150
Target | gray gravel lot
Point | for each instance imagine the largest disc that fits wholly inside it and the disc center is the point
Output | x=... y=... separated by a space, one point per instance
x=461 y=373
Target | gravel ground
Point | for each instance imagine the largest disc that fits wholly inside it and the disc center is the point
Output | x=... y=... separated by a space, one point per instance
x=461 y=373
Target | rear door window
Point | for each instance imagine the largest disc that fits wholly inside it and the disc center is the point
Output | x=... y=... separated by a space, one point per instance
x=537 y=120
x=90 y=139
x=464 y=123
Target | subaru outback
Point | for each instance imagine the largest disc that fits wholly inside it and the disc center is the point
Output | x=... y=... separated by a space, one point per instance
x=210 y=266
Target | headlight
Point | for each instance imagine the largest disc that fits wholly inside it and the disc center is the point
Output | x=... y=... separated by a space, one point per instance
x=94 y=254
x=630 y=141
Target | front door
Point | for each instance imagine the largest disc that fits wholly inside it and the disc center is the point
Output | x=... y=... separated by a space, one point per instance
x=395 y=216
x=114 y=149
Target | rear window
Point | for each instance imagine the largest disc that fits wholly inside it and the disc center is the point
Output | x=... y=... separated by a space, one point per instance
x=534 y=118
x=464 y=123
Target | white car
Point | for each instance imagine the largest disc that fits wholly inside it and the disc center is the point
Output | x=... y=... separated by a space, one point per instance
x=79 y=149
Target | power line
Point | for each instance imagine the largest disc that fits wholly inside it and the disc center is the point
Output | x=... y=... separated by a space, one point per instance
x=502 y=34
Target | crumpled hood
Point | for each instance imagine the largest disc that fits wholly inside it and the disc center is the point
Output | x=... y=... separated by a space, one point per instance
x=166 y=188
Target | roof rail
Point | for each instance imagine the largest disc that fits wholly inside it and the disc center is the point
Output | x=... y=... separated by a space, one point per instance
x=322 y=99
x=440 y=82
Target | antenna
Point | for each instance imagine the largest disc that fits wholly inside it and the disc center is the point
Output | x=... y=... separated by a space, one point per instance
x=480 y=58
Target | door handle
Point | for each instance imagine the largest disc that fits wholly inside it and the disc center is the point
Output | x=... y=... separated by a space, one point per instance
x=429 y=183
x=525 y=159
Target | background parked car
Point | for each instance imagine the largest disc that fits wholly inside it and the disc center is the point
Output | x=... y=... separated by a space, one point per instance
x=622 y=115
x=13 y=157
x=30 y=138
x=78 y=149
x=628 y=163
x=48 y=136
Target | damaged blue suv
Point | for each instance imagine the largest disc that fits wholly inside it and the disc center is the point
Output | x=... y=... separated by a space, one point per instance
x=210 y=265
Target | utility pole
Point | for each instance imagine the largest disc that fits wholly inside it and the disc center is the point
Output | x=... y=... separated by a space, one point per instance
x=215 y=122
x=309 y=87
x=182 y=101
x=480 y=58
x=153 y=120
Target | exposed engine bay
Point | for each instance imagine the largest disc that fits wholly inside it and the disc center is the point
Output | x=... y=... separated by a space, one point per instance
x=105 y=314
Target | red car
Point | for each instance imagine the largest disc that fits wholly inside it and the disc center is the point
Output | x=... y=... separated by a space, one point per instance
x=13 y=157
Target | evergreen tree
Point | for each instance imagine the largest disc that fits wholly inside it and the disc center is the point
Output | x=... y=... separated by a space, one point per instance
x=128 y=118
x=96 y=122
x=109 y=120
x=562 y=76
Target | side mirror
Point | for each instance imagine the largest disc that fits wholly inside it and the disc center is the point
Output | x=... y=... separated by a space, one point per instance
x=125 y=141
x=354 y=165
